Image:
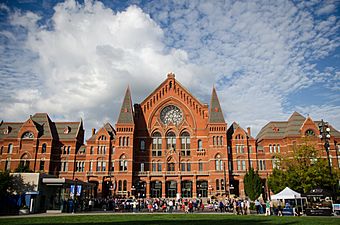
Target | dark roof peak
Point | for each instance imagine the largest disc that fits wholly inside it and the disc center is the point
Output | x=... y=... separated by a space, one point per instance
x=215 y=112
x=126 y=113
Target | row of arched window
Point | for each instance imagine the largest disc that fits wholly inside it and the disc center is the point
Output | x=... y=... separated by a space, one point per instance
x=275 y=148
x=122 y=185
x=220 y=185
x=218 y=140
x=123 y=141
x=10 y=148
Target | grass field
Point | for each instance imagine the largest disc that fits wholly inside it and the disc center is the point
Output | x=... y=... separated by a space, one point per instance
x=167 y=219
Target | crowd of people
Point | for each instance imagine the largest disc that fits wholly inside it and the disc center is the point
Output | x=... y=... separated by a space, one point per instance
x=236 y=206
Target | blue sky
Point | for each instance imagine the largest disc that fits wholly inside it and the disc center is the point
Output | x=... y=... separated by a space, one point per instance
x=74 y=59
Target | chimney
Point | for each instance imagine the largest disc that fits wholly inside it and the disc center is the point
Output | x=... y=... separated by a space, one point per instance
x=248 y=130
x=93 y=131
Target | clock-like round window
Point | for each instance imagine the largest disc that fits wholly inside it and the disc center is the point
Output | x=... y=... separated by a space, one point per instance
x=171 y=114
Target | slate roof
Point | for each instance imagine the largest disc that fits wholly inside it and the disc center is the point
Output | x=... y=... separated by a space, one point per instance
x=281 y=129
x=108 y=127
x=235 y=125
x=14 y=129
x=46 y=128
x=215 y=111
x=126 y=113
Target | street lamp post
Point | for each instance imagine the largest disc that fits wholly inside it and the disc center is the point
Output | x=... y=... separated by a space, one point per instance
x=325 y=136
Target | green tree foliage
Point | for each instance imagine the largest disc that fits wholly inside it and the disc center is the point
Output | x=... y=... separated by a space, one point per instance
x=6 y=183
x=252 y=184
x=302 y=171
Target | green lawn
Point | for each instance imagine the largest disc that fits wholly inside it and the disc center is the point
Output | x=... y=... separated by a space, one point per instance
x=167 y=219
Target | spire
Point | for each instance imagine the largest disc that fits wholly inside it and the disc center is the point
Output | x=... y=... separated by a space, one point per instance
x=215 y=112
x=125 y=115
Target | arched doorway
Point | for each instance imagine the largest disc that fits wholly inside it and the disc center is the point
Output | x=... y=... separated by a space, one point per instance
x=156 y=189
x=186 y=187
x=171 y=189
x=202 y=188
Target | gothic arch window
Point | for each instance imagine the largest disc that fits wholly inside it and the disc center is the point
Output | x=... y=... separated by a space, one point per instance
x=122 y=163
x=27 y=135
x=156 y=144
x=310 y=133
x=185 y=144
x=171 y=140
x=218 y=163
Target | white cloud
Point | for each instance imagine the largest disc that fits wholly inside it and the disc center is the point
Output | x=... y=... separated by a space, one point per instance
x=259 y=53
x=85 y=62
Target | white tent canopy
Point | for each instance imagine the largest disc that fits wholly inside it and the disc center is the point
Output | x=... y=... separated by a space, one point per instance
x=286 y=193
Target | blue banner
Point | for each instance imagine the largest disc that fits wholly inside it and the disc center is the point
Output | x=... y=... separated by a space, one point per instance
x=72 y=190
x=78 y=190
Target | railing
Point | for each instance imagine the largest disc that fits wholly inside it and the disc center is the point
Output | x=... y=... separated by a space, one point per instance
x=201 y=152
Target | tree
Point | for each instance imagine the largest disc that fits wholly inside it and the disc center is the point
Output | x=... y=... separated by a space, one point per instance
x=303 y=170
x=6 y=184
x=252 y=184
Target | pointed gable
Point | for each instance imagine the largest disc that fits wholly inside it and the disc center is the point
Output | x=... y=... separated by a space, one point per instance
x=126 y=113
x=215 y=112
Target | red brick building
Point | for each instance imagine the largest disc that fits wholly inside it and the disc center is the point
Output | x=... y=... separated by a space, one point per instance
x=41 y=145
x=169 y=145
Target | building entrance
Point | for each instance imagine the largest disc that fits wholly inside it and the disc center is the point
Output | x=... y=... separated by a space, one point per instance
x=202 y=188
x=156 y=189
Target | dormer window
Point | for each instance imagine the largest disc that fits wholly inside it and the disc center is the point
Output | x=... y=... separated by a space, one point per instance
x=28 y=135
x=309 y=133
x=7 y=130
x=67 y=130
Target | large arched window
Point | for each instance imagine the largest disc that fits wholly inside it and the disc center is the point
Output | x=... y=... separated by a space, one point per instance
x=28 y=135
x=156 y=144
x=185 y=144
x=218 y=163
x=170 y=140
x=122 y=163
